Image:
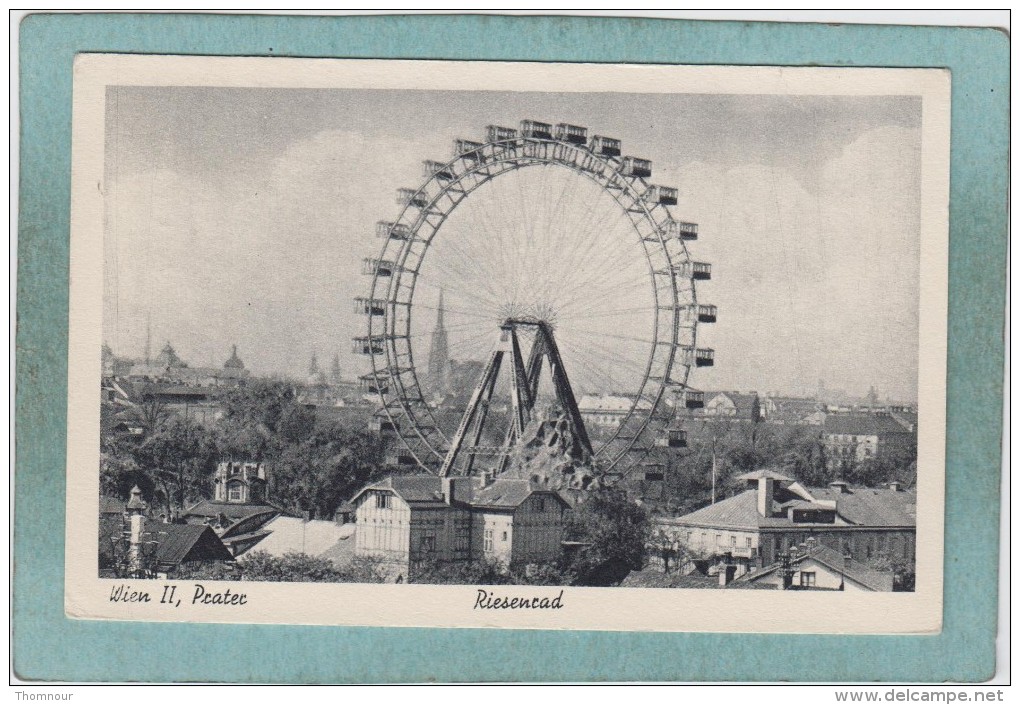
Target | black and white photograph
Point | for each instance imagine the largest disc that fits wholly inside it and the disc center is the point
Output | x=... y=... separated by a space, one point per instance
x=545 y=334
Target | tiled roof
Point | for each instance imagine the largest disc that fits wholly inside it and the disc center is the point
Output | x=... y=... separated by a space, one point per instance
x=741 y=402
x=313 y=538
x=862 y=424
x=177 y=543
x=858 y=506
x=414 y=489
x=211 y=508
x=428 y=490
x=658 y=579
x=854 y=570
x=507 y=493
x=764 y=472
x=872 y=507
x=737 y=512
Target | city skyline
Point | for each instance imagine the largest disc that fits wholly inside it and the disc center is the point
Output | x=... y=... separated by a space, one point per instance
x=251 y=230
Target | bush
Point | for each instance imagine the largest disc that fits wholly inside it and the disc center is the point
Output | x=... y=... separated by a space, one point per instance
x=300 y=567
x=614 y=531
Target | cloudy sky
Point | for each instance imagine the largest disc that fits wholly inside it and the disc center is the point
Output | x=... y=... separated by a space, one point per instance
x=242 y=215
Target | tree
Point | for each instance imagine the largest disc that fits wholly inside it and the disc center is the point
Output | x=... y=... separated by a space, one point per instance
x=150 y=412
x=321 y=472
x=300 y=567
x=179 y=457
x=614 y=531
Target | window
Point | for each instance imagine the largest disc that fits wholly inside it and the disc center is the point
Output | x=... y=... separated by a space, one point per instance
x=382 y=501
x=505 y=536
x=748 y=541
x=488 y=539
x=234 y=492
x=428 y=543
x=463 y=538
x=807 y=579
x=540 y=504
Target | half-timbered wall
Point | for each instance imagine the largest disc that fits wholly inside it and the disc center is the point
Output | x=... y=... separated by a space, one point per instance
x=537 y=530
x=383 y=527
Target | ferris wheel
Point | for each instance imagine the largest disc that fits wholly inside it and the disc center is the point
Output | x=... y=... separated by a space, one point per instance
x=539 y=232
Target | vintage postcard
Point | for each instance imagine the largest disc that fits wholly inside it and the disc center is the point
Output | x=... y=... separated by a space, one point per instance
x=511 y=345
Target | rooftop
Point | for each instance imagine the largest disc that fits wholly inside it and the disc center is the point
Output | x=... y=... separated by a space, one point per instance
x=862 y=424
x=857 y=507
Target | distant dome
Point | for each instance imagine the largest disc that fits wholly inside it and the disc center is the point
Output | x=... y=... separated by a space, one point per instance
x=168 y=358
x=234 y=363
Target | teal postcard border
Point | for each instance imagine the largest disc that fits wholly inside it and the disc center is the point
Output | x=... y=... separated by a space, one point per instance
x=48 y=646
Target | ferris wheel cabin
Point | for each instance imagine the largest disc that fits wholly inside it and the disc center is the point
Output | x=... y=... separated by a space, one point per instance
x=707 y=313
x=401 y=457
x=654 y=472
x=394 y=231
x=635 y=166
x=365 y=345
x=536 y=130
x=378 y=267
x=410 y=197
x=574 y=134
x=672 y=438
x=381 y=424
x=606 y=146
x=687 y=232
x=693 y=399
x=369 y=307
x=702 y=357
x=437 y=169
x=466 y=148
x=664 y=195
x=495 y=133
x=370 y=384
x=701 y=271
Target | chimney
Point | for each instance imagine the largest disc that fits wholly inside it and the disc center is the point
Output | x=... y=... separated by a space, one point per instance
x=766 y=488
x=488 y=477
x=840 y=486
x=449 y=487
x=134 y=511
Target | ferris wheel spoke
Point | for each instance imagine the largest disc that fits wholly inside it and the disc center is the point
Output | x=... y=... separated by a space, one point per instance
x=611 y=293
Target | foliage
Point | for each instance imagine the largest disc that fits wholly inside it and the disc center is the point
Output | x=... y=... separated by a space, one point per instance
x=319 y=473
x=460 y=573
x=904 y=572
x=315 y=466
x=613 y=531
x=300 y=567
x=669 y=551
x=179 y=457
x=207 y=570
x=487 y=573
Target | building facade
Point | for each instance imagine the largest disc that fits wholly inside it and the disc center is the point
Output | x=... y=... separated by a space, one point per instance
x=856 y=437
x=404 y=520
x=733 y=405
x=754 y=528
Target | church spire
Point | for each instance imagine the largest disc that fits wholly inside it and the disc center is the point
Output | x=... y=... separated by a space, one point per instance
x=439 y=354
x=148 y=338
